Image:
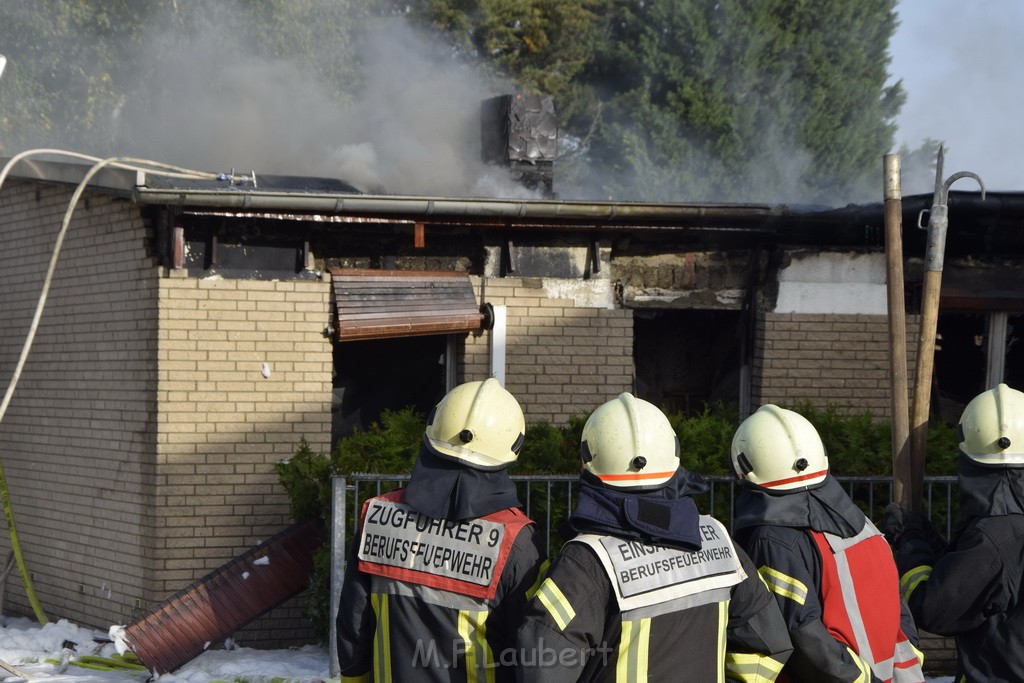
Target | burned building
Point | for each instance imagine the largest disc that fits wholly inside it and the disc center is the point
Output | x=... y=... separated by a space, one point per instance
x=199 y=327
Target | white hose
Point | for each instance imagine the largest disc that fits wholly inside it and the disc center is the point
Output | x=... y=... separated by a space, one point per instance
x=98 y=165
x=129 y=163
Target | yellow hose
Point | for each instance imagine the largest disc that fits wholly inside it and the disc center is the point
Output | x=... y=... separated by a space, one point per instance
x=16 y=548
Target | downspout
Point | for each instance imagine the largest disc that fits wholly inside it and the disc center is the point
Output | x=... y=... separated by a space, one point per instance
x=747 y=329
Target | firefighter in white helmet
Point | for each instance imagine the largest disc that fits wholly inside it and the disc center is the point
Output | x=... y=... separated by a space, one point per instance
x=830 y=569
x=436 y=578
x=647 y=588
x=971 y=590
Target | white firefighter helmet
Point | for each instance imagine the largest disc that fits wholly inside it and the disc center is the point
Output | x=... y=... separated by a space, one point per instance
x=477 y=424
x=629 y=443
x=779 y=450
x=991 y=428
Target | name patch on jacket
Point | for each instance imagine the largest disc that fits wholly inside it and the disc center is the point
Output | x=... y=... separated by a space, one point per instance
x=465 y=557
x=645 y=574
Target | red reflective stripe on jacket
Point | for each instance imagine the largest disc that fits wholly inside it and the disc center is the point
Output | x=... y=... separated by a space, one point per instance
x=512 y=519
x=871 y=572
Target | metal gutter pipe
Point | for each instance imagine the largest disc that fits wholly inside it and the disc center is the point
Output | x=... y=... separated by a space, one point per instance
x=382 y=205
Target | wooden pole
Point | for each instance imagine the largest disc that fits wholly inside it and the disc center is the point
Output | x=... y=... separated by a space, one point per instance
x=898 y=383
x=921 y=406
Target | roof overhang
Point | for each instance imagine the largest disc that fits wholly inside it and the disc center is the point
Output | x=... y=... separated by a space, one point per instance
x=994 y=222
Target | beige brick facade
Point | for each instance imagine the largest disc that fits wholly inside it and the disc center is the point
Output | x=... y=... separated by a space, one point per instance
x=78 y=440
x=561 y=359
x=839 y=360
x=243 y=373
x=140 y=445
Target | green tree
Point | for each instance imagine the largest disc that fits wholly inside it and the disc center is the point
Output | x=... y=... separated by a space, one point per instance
x=747 y=100
x=78 y=70
x=55 y=80
x=741 y=100
x=543 y=45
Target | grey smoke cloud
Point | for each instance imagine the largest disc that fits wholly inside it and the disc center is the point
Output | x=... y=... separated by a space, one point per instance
x=204 y=99
x=412 y=127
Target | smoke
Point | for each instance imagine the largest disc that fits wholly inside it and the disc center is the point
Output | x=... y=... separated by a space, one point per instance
x=413 y=126
x=205 y=97
x=421 y=105
x=202 y=97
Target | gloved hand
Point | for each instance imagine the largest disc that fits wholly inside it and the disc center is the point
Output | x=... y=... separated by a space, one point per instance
x=902 y=526
x=892 y=523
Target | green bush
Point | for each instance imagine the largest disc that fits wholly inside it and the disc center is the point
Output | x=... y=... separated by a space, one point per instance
x=860 y=445
x=856 y=444
x=705 y=438
x=550 y=450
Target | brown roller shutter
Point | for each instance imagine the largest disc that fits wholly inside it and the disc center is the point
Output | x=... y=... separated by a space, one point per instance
x=183 y=626
x=380 y=304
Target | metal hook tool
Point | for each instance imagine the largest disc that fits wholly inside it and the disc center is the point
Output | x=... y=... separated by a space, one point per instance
x=938 y=221
x=938 y=215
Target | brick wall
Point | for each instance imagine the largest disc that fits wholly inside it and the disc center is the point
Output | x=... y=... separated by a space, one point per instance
x=118 y=502
x=222 y=425
x=77 y=439
x=939 y=654
x=842 y=360
x=561 y=359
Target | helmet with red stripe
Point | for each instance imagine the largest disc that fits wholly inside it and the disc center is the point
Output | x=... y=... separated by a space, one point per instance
x=629 y=444
x=779 y=450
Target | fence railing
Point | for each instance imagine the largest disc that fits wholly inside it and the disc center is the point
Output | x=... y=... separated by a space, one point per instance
x=548 y=500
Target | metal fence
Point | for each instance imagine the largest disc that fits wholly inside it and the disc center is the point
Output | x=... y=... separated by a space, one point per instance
x=548 y=500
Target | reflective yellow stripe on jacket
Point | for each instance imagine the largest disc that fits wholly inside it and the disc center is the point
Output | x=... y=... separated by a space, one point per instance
x=479 y=659
x=865 y=668
x=751 y=668
x=784 y=585
x=542 y=574
x=634 y=651
x=747 y=667
x=381 y=638
x=912 y=579
x=723 y=625
x=555 y=602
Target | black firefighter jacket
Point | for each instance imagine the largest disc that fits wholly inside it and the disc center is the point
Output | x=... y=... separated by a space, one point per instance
x=436 y=628
x=973 y=590
x=775 y=529
x=592 y=619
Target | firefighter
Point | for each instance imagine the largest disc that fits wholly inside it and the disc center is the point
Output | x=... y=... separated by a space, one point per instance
x=831 y=570
x=436 y=579
x=971 y=590
x=647 y=588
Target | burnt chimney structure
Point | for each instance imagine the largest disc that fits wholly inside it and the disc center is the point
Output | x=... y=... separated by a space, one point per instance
x=520 y=132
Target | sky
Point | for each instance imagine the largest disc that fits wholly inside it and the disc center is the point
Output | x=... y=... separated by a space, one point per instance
x=961 y=66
